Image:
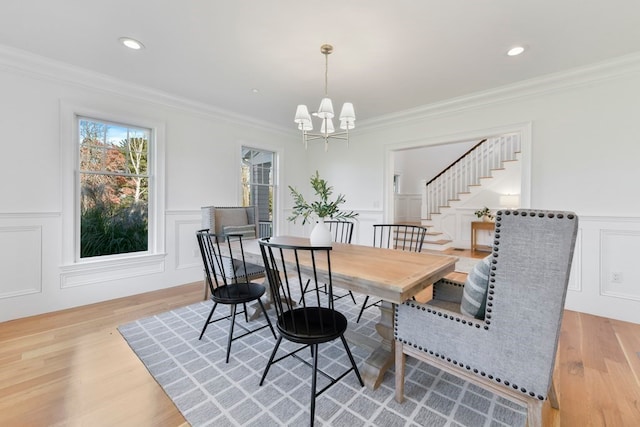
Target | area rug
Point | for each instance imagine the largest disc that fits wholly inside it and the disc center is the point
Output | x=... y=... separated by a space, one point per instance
x=210 y=392
x=465 y=265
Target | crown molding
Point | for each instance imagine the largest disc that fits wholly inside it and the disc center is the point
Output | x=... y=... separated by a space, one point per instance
x=564 y=80
x=42 y=68
x=39 y=67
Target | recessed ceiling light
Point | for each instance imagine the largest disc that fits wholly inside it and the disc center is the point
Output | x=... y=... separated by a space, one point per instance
x=515 y=51
x=131 y=43
x=255 y=90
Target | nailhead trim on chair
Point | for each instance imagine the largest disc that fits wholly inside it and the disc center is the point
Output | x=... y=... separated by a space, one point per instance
x=448 y=282
x=490 y=296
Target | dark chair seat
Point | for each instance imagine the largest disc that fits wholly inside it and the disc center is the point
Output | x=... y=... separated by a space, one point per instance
x=237 y=294
x=312 y=325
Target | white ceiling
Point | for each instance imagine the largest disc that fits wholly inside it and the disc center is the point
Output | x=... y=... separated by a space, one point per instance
x=389 y=55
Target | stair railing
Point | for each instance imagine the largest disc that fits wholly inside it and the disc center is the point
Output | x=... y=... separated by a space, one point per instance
x=478 y=162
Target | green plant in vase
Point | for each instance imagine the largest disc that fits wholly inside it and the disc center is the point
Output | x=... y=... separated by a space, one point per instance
x=321 y=208
x=484 y=214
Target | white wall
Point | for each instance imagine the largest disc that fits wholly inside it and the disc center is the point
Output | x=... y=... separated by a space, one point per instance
x=584 y=153
x=417 y=164
x=202 y=168
x=584 y=157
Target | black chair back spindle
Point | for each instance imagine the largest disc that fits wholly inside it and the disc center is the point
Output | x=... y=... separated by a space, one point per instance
x=341 y=231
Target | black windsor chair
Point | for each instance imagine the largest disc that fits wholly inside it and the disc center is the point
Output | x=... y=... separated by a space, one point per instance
x=314 y=320
x=229 y=283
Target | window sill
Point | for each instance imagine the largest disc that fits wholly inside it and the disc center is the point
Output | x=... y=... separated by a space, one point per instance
x=90 y=272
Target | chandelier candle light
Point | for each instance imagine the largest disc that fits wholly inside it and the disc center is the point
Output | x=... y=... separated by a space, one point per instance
x=325 y=112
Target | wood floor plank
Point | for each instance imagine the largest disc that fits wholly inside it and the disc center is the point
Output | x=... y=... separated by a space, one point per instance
x=569 y=372
x=72 y=368
x=629 y=341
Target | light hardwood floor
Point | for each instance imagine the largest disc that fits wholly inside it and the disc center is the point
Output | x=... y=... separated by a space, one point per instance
x=72 y=368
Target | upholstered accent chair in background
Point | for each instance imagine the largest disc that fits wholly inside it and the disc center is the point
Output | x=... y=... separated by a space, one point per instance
x=511 y=350
x=223 y=220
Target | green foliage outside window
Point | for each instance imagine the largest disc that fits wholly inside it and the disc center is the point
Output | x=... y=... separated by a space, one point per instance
x=114 y=189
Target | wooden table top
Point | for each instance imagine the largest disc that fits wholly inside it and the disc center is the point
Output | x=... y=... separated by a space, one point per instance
x=389 y=274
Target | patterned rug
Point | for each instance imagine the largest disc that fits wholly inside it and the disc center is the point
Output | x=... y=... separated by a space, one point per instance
x=210 y=392
x=464 y=264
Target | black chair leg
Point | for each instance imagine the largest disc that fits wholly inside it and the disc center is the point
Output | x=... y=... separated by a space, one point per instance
x=304 y=291
x=353 y=362
x=273 y=355
x=352 y=297
x=233 y=322
x=314 y=348
x=204 y=328
x=364 y=305
x=264 y=311
x=244 y=307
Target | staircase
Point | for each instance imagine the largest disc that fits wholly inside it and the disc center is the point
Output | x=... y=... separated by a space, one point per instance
x=461 y=179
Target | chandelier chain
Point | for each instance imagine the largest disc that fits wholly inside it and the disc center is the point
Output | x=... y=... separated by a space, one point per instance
x=326 y=74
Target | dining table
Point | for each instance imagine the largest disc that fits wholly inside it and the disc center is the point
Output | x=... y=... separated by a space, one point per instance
x=390 y=275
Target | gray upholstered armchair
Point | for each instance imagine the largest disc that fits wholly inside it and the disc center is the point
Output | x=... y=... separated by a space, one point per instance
x=223 y=220
x=511 y=349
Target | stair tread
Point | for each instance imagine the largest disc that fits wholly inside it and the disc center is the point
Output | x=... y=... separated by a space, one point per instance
x=438 y=242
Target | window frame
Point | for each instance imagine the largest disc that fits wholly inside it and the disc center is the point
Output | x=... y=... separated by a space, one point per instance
x=274 y=186
x=76 y=270
x=80 y=171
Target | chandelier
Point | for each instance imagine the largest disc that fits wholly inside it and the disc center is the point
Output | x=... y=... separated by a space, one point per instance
x=325 y=113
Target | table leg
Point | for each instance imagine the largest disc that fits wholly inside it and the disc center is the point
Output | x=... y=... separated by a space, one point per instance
x=382 y=357
x=255 y=311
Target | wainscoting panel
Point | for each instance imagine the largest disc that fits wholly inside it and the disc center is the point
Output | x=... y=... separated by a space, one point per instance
x=619 y=275
x=605 y=280
x=408 y=207
x=20 y=260
x=187 y=251
x=575 y=279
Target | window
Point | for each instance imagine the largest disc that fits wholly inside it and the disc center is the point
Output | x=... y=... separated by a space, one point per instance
x=258 y=184
x=87 y=153
x=113 y=191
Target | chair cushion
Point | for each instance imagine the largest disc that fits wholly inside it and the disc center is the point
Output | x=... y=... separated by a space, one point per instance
x=474 y=293
x=230 y=216
x=247 y=231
